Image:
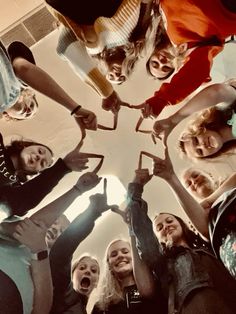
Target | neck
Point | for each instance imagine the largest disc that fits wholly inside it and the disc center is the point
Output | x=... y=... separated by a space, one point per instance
x=127 y=281
x=226 y=134
x=15 y=161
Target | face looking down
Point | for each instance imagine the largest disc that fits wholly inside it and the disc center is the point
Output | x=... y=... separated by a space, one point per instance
x=26 y=106
x=168 y=229
x=35 y=158
x=202 y=145
x=85 y=276
x=56 y=230
x=161 y=64
x=115 y=73
x=199 y=184
x=119 y=259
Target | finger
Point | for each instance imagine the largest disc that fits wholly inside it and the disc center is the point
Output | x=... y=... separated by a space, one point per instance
x=166 y=152
x=16 y=235
x=105 y=186
x=140 y=161
x=98 y=167
x=117 y=210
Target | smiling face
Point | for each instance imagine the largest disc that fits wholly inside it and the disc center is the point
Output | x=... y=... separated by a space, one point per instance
x=85 y=276
x=35 y=158
x=168 y=230
x=202 y=145
x=198 y=183
x=119 y=259
x=115 y=73
x=56 y=230
x=161 y=64
x=25 y=108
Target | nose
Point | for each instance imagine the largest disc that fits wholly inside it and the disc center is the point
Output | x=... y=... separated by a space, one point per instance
x=162 y=59
x=87 y=272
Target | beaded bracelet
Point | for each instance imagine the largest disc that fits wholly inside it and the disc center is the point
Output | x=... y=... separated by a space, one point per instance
x=75 y=109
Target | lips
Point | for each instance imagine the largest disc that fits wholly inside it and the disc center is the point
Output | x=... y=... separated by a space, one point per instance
x=85 y=282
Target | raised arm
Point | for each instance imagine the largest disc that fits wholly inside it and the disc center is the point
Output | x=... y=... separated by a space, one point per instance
x=163 y=168
x=32 y=235
x=41 y=81
x=53 y=210
x=228 y=184
x=63 y=249
x=209 y=96
x=20 y=199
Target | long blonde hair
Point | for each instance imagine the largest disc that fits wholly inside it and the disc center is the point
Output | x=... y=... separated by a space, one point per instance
x=109 y=288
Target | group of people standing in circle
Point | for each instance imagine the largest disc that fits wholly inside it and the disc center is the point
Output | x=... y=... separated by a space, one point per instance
x=166 y=267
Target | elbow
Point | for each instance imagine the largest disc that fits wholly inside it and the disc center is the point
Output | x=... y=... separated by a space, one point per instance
x=20 y=66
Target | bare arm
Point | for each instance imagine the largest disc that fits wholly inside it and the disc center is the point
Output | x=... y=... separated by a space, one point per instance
x=143 y=276
x=196 y=213
x=227 y=185
x=41 y=81
x=32 y=234
x=209 y=96
x=52 y=211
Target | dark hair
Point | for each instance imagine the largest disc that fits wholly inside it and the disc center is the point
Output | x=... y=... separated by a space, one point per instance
x=192 y=238
x=15 y=148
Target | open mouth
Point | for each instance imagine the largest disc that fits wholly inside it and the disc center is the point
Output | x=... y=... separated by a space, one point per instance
x=85 y=282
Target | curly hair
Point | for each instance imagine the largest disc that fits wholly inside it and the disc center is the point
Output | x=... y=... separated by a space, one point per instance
x=214 y=119
x=110 y=291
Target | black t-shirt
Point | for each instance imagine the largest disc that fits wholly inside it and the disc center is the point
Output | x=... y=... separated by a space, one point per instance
x=133 y=303
x=7 y=170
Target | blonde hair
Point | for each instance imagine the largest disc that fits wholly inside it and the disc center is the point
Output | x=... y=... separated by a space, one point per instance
x=109 y=288
x=213 y=118
x=78 y=260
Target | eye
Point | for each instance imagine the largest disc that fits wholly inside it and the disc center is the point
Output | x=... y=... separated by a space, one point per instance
x=113 y=253
x=169 y=220
x=125 y=251
x=199 y=152
x=159 y=227
x=194 y=175
x=187 y=183
x=82 y=267
x=166 y=68
x=195 y=141
x=94 y=270
x=155 y=64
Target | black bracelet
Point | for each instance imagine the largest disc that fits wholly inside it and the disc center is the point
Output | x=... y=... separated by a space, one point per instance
x=75 y=109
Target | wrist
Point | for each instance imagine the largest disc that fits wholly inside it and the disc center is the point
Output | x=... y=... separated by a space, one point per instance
x=75 y=110
x=40 y=255
x=77 y=190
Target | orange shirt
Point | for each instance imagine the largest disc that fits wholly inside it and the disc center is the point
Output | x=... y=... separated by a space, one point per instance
x=193 y=22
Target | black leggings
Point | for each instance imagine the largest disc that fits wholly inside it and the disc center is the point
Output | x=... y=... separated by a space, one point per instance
x=85 y=12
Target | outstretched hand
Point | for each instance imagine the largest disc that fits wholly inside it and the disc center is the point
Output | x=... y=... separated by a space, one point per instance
x=86 y=119
x=142 y=176
x=75 y=160
x=32 y=234
x=113 y=103
x=162 y=129
x=99 y=201
x=163 y=168
x=87 y=181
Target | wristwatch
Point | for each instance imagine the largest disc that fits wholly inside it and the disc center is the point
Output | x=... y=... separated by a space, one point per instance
x=39 y=256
